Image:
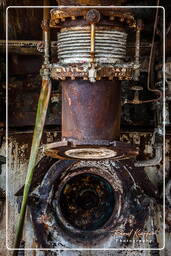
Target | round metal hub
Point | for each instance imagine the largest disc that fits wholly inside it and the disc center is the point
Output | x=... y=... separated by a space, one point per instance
x=83 y=202
x=90 y=150
x=87 y=201
x=90 y=153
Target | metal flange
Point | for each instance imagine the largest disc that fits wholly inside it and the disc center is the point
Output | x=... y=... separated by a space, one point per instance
x=58 y=16
x=91 y=150
x=110 y=72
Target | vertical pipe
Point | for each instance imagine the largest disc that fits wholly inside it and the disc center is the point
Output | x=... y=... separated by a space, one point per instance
x=92 y=70
x=46 y=49
x=92 y=52
x=137 y=50
x=46 y=32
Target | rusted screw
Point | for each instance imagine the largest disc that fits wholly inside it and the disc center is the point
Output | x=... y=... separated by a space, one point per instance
x=93 y=16
x=57 y=21
x=73 y=17
x=112 y=18
x=122 y=19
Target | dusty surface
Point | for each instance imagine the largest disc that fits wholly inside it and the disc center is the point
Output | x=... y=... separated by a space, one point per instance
x=18 y=148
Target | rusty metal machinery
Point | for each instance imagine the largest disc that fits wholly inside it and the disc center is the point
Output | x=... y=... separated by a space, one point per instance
x=85 y=199
x=91 y=62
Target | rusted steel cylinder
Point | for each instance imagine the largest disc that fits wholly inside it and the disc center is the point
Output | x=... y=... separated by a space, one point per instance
x=91 y=111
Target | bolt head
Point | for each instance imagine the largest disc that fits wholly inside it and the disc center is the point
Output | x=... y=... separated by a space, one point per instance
x=93 y=16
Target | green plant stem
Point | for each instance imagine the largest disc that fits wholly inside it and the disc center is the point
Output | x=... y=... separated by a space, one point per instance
x=37 y=135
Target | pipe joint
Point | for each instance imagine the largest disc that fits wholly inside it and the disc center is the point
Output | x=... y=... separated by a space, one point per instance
x=154 y=161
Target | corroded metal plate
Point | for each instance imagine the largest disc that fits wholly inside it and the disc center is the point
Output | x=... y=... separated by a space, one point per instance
x=92 y=150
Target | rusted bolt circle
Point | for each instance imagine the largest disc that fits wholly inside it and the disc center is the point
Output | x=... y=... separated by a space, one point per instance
x=93 y=16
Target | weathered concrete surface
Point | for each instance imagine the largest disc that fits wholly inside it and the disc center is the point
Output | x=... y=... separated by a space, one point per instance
x=18 y=150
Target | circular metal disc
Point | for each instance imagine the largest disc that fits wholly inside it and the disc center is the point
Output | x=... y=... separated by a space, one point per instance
x=90 y=153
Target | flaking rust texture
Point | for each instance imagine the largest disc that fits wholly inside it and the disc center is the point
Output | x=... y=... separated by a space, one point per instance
x=94 y=110
x=18 y=151
x=19 y=148
x=100 y=60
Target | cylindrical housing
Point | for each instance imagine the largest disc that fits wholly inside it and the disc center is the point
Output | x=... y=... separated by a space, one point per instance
x=74 y=45
x=91 y=111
